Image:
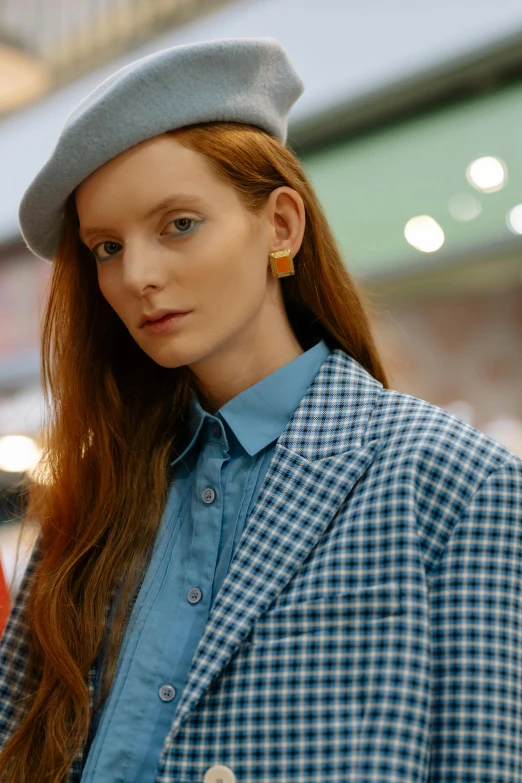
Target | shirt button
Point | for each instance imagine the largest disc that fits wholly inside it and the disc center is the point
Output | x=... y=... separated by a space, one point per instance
x=194 y=595
x=167 y=692
x=208 y=495
x=219 y=773
x=217 y=431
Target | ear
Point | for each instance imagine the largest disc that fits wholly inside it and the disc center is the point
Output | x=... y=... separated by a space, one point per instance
x=287 y=217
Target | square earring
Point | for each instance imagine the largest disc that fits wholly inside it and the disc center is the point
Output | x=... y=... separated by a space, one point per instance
x=282 y=263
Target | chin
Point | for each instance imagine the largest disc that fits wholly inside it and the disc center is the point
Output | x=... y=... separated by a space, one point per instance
x=178 y=352
x=169 y=362
x=170 y=358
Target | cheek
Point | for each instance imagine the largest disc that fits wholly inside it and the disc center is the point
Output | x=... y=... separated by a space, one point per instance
x=232 y=301
x=233 y=281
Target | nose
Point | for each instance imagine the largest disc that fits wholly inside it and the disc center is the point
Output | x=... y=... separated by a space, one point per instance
x=143 y=267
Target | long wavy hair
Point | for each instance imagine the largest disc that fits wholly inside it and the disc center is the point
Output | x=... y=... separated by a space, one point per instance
x=114 y=421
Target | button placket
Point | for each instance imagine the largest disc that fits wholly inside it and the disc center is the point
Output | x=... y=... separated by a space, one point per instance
x=200 y=573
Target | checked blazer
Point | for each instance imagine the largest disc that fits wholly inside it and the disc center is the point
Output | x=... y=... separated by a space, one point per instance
x=369 y=629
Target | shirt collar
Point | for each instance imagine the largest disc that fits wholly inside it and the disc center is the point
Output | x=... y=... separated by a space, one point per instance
x=258 y=415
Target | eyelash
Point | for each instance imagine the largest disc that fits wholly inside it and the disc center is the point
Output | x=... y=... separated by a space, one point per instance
x=102 y=260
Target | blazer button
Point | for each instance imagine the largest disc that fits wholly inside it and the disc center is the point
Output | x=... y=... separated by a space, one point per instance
x=219 y=773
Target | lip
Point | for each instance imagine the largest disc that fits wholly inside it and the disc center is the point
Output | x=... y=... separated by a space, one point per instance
x=156 y=315
x=165 y=323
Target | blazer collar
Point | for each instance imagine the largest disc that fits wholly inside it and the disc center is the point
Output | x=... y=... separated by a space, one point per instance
x=319 y=457
x=333 y=415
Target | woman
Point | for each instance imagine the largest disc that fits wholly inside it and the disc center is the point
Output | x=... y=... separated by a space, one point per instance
x=256 y=561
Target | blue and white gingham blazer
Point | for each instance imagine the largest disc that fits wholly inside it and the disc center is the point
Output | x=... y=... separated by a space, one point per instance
x=369 y=629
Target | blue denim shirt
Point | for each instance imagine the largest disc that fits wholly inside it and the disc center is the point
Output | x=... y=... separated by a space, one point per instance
x=215 y=488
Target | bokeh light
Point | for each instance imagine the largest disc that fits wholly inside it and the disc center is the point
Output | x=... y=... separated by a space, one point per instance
x=487 y=174
x=514 y=219
x=424 y=233
x=18 y=453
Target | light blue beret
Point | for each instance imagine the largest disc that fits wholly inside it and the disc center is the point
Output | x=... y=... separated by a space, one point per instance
x=249 y=80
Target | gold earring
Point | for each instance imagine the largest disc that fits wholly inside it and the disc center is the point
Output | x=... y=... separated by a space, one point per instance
x=282 y=263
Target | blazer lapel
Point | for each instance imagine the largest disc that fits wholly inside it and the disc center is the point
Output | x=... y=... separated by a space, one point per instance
x=318 y=459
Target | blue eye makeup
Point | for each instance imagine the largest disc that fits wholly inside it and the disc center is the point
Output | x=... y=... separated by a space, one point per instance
x=103 y=244
x=184 y=220
x=182 y=230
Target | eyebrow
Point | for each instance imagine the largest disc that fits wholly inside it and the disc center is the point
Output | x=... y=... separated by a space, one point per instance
x=189 y=198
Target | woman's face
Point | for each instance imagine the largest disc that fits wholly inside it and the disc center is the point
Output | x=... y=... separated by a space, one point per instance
x=168 y=235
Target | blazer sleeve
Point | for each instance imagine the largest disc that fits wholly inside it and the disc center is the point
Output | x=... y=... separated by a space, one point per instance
x=476 y=620
x=13 y=656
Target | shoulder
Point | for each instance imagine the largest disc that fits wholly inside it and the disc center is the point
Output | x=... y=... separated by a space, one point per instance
x=439 y=461
x=417 y=432
x=440 y=469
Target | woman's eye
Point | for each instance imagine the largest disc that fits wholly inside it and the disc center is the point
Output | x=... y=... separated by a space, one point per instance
x=183 y=224
x=108 y=247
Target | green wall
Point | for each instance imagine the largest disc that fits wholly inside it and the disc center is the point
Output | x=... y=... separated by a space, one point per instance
x=371 y=186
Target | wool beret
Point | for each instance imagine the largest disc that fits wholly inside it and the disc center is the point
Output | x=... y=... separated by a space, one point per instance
x=248 y=80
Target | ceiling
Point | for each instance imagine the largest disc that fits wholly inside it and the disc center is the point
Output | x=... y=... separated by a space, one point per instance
x=45 y=43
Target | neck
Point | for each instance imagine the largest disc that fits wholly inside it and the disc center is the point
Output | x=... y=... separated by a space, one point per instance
x=237 y=365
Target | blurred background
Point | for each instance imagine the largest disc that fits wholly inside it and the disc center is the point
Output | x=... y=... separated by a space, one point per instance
x=410 y=129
